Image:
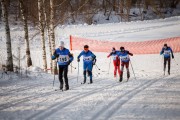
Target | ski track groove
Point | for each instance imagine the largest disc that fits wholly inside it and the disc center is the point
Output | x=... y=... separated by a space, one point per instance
x=117 y=103
x=29 y=98
x=68 y=101
x=24 y=88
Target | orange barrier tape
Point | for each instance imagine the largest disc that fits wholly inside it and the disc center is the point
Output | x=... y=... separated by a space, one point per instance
x=144 y=47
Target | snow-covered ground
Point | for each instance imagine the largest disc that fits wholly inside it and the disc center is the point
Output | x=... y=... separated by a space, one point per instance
x=151 y=96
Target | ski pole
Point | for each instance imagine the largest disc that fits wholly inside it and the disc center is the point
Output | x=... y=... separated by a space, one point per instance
x=73 y=67
x=109 y=65
x=97 y=70
x=78 y=72
x=55 y=74
x=97 y=67
x=133 y=70
x=175 y=61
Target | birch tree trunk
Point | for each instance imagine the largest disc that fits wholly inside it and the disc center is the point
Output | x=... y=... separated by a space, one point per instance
x=48 y=33
x=52 y=36
x=9 y=61
x=26 y=36
x=41 y=27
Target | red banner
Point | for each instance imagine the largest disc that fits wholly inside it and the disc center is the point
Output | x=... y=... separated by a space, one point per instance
x=143 y=47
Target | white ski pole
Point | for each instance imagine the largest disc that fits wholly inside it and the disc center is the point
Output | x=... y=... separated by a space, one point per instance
x=133 y=70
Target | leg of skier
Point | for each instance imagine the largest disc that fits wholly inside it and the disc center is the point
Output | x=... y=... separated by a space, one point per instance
x=90 y=72
x=127 y=68
x=60 y=77
x=115 y=68
x=66 y=78
x=165 y=61
x=169 y=65
x=122 y=69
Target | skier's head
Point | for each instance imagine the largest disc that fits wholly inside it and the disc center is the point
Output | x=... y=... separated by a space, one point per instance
x=61 y=45
x=122 y=49
x=165 y=46
x=113 y=50
x=86 y=48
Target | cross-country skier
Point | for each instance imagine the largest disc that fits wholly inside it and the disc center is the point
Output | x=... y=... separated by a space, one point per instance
x=116 y=61
x=88 y=61
x=167 y=52
x=64 y=58
x=124 y=57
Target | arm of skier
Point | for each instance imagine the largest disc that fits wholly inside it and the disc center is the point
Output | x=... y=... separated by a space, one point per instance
x=109 y=55
x=78 y=58
x=71 y=58
x=54 y=56
x=162 y=51
x=130 y=53
x=172 y=54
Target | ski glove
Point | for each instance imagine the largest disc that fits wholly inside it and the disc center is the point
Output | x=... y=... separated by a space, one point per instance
x=78 y=60
x=172 y=56
x=69 y=63
x=53 y=57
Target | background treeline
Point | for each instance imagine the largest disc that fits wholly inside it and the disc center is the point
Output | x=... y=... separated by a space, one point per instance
x=73 y=11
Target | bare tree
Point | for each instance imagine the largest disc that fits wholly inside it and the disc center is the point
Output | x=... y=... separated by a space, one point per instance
x=45 y=9
x=9 y=61
x=41 y=28
x=26 y=36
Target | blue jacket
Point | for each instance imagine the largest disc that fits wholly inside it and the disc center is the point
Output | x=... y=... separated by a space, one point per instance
x=64 y=57
x=167 y=52
x=88 y=57
x=124 y=56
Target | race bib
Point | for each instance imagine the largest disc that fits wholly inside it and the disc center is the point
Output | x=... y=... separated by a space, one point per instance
x=124 y=58
x=167 y=52
x=87 y=58
x=63 y=58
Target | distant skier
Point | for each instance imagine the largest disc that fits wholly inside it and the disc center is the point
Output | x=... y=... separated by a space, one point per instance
x=116 y=61
x=124 y=57
x=88 y=60
x=167 y=52
x=64 y=58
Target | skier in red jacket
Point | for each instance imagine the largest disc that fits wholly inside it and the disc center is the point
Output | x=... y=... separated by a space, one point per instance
x=116 y=61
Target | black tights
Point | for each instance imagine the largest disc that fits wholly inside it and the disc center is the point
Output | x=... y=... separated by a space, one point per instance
x=63 y=70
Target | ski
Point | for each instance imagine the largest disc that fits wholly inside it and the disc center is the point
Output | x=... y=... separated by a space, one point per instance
x=58 y=90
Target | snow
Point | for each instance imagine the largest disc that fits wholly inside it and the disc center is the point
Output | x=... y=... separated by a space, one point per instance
x=151 y=96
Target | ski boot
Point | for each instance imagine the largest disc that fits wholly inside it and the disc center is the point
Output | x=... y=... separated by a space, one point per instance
x=120 y=80
x=61 y=87
x=66 y=87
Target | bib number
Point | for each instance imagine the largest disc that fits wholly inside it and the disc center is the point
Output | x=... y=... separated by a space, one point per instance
x=87 y=58
x=63 y=58
x=124 y=58
x=167 y=52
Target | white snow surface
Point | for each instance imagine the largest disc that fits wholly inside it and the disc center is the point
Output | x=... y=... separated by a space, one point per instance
x=151 y=96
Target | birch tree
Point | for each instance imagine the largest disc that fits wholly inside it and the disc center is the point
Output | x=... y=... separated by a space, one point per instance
x=9 y=61
x=41 y=28
x=26 y=36
x=52 y=36
x=48 y=31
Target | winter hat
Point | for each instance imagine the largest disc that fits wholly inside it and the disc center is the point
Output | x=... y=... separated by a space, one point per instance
x=165 y=44
x=113 y=49
x=61 y=44
x=121 y=48
x=86 y=46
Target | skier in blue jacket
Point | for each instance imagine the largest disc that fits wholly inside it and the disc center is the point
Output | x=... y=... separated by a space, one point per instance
x=88 y=60
x=167 y=53
x=64 y=58
x=124 y=57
